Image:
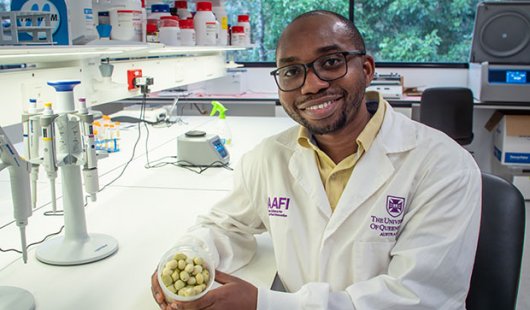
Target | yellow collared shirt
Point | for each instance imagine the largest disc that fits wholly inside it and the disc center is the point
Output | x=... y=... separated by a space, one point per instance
x=336 y=176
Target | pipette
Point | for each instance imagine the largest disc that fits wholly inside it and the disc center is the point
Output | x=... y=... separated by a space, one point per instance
x=19 y=171
x=48 y=148
x=31 y=134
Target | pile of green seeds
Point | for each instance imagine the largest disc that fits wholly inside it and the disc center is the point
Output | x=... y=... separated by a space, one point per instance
x=185 y=276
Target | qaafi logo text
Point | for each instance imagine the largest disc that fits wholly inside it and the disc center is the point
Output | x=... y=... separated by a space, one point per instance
x=278 y=206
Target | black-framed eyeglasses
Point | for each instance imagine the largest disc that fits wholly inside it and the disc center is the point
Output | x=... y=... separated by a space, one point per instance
x=327 y=68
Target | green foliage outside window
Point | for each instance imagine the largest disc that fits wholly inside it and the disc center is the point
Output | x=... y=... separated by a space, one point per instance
x=394 y=30
x=269 y=17
x=417 y=30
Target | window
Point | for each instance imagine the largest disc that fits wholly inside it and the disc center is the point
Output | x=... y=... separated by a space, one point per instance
x=5 y=5
x=413 y=31
x=269 y=17
x=417 y=30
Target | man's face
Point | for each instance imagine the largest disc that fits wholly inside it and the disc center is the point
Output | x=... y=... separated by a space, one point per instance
x=320 y=106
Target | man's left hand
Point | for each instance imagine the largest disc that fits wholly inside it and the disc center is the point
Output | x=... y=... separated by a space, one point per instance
x=234 y=293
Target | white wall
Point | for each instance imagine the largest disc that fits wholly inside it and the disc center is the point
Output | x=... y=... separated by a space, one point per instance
x=259 y=79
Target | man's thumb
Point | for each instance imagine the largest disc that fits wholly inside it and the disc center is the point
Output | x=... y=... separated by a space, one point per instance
x=224 y=278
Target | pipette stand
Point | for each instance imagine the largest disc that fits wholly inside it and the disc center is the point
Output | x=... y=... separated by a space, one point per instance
x=76 y=246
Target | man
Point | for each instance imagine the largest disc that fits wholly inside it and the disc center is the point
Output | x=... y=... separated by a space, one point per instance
x=366 y=208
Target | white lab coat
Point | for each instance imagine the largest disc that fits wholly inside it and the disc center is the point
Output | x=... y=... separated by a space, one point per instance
x=403 y=235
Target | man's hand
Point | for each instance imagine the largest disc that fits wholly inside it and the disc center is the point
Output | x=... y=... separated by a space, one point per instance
x=157 y=292
x=233 y=294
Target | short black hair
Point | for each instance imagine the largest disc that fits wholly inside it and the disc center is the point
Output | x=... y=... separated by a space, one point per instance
x=351 y=29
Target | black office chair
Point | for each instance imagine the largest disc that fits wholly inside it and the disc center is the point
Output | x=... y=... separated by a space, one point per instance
x=495 y=278
x=450 y=110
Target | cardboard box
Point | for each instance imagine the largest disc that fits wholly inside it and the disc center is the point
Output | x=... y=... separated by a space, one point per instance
x=511 y=138
x=522 y=182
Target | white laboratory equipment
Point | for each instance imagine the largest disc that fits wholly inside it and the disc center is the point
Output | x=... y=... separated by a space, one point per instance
x=19 y=171
x=196 y=148
x=499 y=69
x=67 y=151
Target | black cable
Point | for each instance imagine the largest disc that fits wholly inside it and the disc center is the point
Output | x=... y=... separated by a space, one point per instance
x=216 y=164
x=202 y=112
x=187 y=165
x=133 y=152
x=47 y=213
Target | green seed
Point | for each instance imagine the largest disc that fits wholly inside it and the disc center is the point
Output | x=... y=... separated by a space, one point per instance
x=184 y=276
x=199 y=278
x=172 y=264
x=198 y=261
x=179 y=284
x=181 y=264
x=179 y=256
x=166 y=279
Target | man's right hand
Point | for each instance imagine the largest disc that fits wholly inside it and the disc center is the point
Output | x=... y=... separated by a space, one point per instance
x=157 y=292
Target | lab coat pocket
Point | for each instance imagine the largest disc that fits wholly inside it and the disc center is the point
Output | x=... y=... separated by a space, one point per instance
x=371 y=259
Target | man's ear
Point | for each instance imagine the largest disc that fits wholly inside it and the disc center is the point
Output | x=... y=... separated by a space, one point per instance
x=369 y=69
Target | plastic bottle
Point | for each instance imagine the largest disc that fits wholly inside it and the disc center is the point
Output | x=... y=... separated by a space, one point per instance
x=182 y=10
x=244 y=20
x=187 y=32
x=152 y=32
x=222 y=129
x=149 y=4
x=222 y=17
x=126 y=25
x=205 y=24
x=169 y=32
x=238 y=36
x=81 y=107
x=157 y=11
x=83 y=29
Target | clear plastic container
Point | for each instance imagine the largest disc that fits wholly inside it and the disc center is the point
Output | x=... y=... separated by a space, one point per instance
x=191 y=251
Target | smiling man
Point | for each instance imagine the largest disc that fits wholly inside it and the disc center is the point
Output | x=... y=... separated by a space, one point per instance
x=366 y=208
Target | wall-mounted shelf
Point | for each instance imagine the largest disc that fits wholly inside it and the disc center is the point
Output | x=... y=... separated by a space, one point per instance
x=45 y=54
x=168 y=66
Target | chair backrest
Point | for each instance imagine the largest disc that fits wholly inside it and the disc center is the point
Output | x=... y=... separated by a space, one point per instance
x=495 y=278
x=450 y=110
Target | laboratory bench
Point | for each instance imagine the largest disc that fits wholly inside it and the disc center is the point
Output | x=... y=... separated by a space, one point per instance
x=145 y=210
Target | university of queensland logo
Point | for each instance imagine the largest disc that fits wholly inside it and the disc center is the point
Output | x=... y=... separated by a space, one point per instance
x=395 y=205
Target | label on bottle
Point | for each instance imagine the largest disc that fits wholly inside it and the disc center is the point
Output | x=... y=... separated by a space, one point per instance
x=211 y=32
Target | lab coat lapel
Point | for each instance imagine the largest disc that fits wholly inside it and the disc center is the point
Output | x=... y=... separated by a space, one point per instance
x=368 y=175
x=305 y=172
x=375 y=167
